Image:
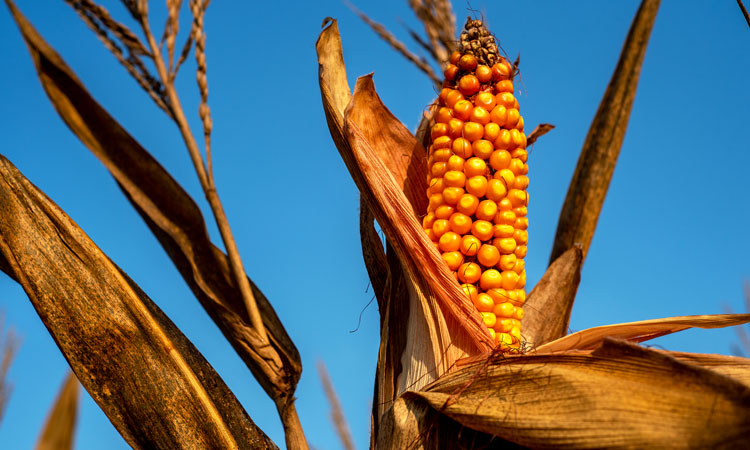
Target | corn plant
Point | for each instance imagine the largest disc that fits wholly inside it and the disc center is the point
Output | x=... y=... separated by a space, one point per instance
x=455 y=369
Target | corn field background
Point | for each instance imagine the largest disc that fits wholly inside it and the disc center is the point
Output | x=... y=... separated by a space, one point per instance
x=671 y=240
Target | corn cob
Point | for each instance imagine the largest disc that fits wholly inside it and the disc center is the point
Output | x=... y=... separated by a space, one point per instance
x=477 y=183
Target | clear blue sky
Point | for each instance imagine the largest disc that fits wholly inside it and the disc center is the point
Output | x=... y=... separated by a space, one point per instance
x=672 y=238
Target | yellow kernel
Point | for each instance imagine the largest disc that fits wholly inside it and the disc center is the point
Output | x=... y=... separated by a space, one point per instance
x=435 y=201
x=473 y=131
x=452 y=194
x=483 y=302
x=490 y=279
x=452 y=98
x=509 y=279
x=504 y=205
x=444 y=211
x=507 y=176
x=505 y=245
x=518 y=197
x=521 y=223
x=488 y=255
x=438 y=169
x=441 y=155
x=496 y=190
x=492 y=332
x=491 y=130
x=485 y=100
x=442 y=142
x=508 y=262
x=462 y=110
x=468 y=203
x=519 y=314
x=500 y=159
x=449 y=241
x=431 y=234
x=455 y=128
x=436 y=186
x=443 y=115
x=454 y=179
x=460 y=223
x=480 y=115
x=520 y=211
x=470 y=290
x=511 y=118
x=469 y=272
x=489 y=319
x=470 y=245
x=453 y=259
x=499 y=295
x=521 y=154
x=477 y=185
x=428 y=220
x=520 y=251
x=482 y=229
x=521 y=182
x=505 y=218
x=474 y=167
x=440 y=227
x=502 y=141
x=461 y=147
x=521 y=237
x=503 y=231
x=519 y=266
x=517 y=166
x=486 y=210
x=498 y=115
x=482 y=148
x=521 y=280
x=455 y=162
x=505 y=309
x=506 y=99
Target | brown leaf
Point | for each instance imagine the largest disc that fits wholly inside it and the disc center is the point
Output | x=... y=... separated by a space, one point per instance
x=394 y=144
x=337 y=412
x=373 y=254
x=640 y=331
x=59 y=429
x=175 y=220
x=148 y=378
x=8 y=348
x=549 y=304
x=538 y=131
x=619 y=396
x=590 y=182
x=395 y=215
x=431 y=348
x=412 y=424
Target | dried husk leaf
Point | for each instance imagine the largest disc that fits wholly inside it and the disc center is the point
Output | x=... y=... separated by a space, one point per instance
x=596 y=164
x=148 y=378
x=58 y=431
x=432 y=348
x=618 y=396
x=177 y=223
x=550 y=303
x=640 y=331
x=411 y=424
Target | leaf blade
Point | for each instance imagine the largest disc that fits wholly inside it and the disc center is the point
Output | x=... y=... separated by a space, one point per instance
x=59 y=428
x=143 y=372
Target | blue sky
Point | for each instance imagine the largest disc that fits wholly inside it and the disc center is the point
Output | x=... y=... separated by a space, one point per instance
x=672 y=238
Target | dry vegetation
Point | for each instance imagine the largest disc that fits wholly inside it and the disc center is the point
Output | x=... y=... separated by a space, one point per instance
x=440 y=383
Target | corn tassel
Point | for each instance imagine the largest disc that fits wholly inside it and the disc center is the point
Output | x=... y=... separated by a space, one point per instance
x=478 y=183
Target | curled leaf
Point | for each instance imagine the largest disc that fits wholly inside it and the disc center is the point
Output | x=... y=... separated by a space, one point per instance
x=618 y=396
x=640 y=331
x=147 y=377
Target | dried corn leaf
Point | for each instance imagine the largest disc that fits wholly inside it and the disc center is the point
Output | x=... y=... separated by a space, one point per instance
x=731 y=366
x=411 y=424
x=58 y=431
x=640 y=331
x=431 y=350
x=175 y=220
x=618 y=396
x=550 y=303
x=155 y=387
x=394 y=144
x=590 y=182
